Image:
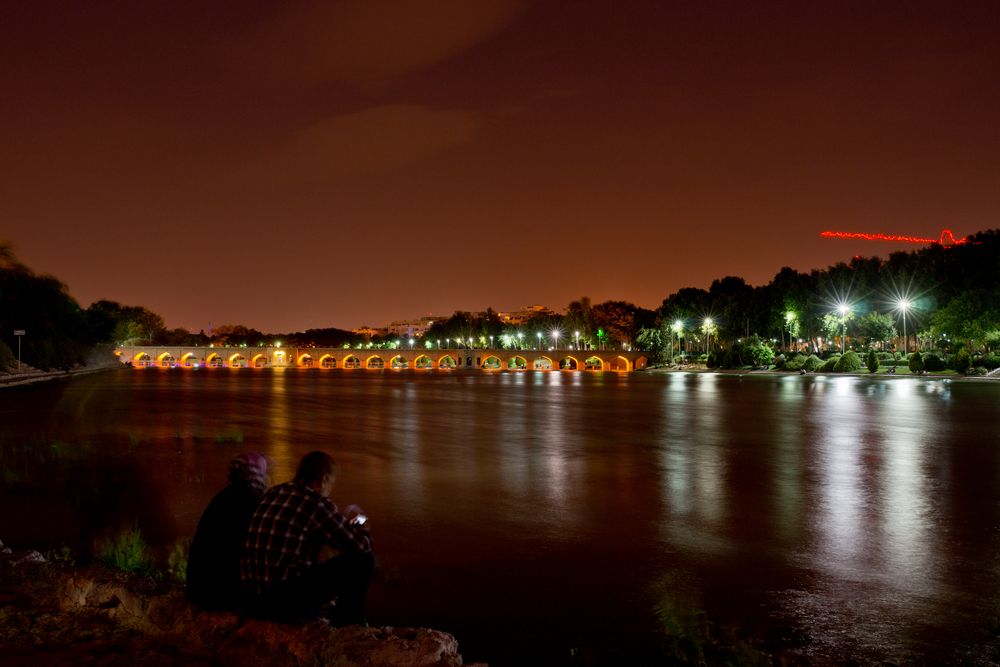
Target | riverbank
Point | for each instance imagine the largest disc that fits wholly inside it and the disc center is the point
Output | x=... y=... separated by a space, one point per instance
x=54 y=613
x=701 y=368
x=29 y=375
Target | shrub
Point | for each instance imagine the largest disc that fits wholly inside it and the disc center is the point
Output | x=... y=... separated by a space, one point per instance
x=126 y=551
x=830 y=365
x=990 y=361
x=885 y=357
x=779 y=362
x=812 y=363
x=849 y=363
x=872 y=361
x=177 y=562
x=7 y=359
x=712 y=360
x=761 y=355
x=916 y=362
x=795 y=362
x=961 y=361
x=933 y=362
x=977 y=370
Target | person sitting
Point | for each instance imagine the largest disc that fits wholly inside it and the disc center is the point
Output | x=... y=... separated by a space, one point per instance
x=213 y=570
x=283 y=574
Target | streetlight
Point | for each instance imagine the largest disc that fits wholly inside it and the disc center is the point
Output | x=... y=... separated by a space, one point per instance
x=519 y=337
x=843 y=309
x=577 y=334
x=539 y=341
x=904 y=305
x=708 y=335
x=447 y=342
x=676 y=329
x=491 y=342
x=555 y=338
x=789 y=318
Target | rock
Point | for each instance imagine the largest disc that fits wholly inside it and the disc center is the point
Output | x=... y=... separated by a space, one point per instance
x=148 y=613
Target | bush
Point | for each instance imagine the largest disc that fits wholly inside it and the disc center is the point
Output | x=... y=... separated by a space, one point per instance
x=127 y=552
x=885 y=357
x=977 y=370
x=177 y=563
x=779 y=362
x=961 y=361
x=761 y=355
x=795 y=362
x=849 y=363
x=872 y=361
x=933 y=362
x=989 y=361
x=7 y=359
x=712 y=360
x=916 y=362
x=812 y=363
x=830 y=365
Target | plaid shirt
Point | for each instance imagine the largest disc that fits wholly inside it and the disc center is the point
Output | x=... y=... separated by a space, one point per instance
x=291 y=524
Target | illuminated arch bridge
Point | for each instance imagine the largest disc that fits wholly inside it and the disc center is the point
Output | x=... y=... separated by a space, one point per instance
x=330 y=358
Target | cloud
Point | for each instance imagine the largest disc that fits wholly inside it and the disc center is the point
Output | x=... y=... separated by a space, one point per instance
x=374 y=140
x=366 y=42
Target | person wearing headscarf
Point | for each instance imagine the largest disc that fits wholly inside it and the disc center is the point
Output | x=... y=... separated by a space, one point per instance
x=213 y=570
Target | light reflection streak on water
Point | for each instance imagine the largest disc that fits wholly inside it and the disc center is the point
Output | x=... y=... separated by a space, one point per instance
x=789 y=461
x=695 y=497
x=838 y=442
x=279 y=424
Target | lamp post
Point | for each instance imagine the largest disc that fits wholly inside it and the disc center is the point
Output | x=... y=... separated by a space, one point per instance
x=708 y=335
x=675 y=330
x=577 y=334
x=555 y=338
x=789 y=318
x=491 y=342
x=843 y=309
x=519 y=337
x=904 y=305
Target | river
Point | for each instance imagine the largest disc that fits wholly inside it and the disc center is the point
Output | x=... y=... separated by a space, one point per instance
x=558 y=518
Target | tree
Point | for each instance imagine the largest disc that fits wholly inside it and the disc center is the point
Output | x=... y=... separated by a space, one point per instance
x=872 y=361
x=876 y=326
x=916 y=362
x=651 y=340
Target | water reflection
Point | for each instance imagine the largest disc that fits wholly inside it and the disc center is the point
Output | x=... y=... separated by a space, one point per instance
x=862 y=509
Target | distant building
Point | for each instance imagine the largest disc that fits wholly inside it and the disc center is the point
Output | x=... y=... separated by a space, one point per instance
x=518 y=317
x=369 y=332
x=413 y=328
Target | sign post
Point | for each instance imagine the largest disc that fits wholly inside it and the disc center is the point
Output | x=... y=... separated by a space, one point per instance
x=19 y=333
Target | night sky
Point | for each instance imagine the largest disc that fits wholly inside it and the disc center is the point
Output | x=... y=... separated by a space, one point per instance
x=294 y=165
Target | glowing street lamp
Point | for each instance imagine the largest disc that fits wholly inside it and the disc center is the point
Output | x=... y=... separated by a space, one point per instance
x=491 y=342
x=843 y=309
x=555 y=338
x=789 y=318
x=539 y=340
x=519 y=337
x=904 y=305
x=577 y=334
x=708 y=335
x=411 y=343
x=675 y=330
x=447 y=342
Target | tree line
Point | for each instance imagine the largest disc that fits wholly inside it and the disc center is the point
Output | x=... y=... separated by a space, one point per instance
x=944 y=298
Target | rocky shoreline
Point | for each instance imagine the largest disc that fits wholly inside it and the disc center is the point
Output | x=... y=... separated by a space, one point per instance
x=55 y=613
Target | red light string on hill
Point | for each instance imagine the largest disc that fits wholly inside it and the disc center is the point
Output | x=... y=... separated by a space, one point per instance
x=946 y=238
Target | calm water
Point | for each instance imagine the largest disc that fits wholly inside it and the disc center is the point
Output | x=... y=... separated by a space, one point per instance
x=532 y=514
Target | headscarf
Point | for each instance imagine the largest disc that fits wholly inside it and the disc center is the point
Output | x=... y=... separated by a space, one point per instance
x=249 y=470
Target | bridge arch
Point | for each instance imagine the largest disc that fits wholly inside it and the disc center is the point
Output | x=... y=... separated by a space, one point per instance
x=517 y=363
x=542 y=363
x=304 y=361
x=237 y=361
x=214 y=361
x=142 y=360
x=423 y=362
x=350 y=361
x=258 y=360
x=491 y=362
x=447 y=362
x=375 y=362
x=190 y=359
x=569 y=363
x=399 y=362
x=328 y=361
x=166 y=360
x=594 y=363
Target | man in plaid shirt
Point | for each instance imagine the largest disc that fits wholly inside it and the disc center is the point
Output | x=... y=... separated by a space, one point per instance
x=281 y=568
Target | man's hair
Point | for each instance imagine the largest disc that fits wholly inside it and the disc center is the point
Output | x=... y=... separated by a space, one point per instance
x=315 y=466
